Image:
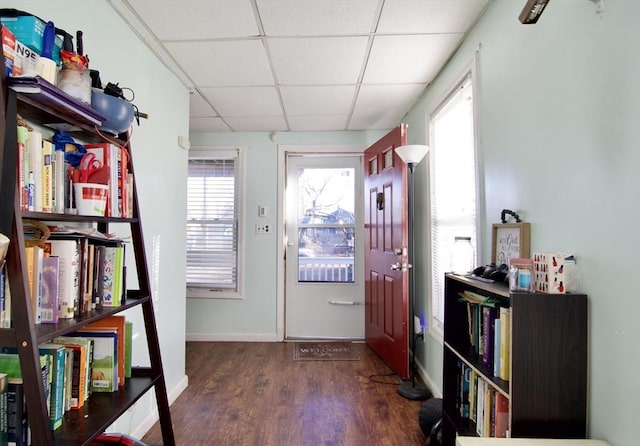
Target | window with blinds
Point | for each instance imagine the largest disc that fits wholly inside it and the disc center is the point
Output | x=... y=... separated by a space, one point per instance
x=454 y=186
x=212 y=223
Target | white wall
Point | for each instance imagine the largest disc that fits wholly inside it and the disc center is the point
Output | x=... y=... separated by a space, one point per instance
x=559 y=135
x=160 y=168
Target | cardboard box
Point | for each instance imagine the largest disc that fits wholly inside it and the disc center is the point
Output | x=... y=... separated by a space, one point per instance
x=30 y=31
x=25 y=61
x=8 y=50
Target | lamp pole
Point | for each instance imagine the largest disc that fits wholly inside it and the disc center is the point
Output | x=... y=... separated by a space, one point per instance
x=410 y=389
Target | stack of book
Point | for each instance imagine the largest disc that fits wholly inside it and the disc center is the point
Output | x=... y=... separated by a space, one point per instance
x=95 y=359
x=70 y=274
x=45 y=176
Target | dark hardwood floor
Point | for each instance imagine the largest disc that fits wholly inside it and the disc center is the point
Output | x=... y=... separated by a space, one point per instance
x=255 y=394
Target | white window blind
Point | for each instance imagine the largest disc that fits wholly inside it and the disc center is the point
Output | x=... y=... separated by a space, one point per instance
x=453 y=186
x=212 y=223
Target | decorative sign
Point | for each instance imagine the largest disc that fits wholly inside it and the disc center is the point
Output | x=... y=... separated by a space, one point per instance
x=508 y=241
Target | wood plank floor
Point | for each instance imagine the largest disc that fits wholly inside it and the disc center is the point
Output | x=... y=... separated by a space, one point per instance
x=255 y=394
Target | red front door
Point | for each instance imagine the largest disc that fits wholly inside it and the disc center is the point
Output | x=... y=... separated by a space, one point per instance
x=386 y=238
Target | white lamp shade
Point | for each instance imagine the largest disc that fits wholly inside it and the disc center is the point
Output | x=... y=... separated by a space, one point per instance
x=412 y=153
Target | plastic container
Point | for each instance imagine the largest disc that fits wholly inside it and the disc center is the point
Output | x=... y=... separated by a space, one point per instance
x=91 y=198
x=462 y=256
x=76 y=83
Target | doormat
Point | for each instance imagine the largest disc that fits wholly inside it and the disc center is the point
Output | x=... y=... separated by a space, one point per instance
x=325 y=351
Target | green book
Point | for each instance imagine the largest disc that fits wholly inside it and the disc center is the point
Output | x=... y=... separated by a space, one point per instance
x=10 y=364
x=58 y=364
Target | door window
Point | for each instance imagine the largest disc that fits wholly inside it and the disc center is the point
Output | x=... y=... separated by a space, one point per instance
x=326 y=225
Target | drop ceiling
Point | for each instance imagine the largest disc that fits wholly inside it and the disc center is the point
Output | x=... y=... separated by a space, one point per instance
x=301 y=65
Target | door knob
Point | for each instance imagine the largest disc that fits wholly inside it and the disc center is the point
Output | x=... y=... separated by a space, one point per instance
x=401 y=266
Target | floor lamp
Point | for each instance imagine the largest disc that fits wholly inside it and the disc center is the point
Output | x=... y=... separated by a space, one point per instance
x=412 y=155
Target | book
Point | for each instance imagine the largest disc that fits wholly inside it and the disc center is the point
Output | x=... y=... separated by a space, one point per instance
x=58 y=356
x=489 y=398
x=86 y=362
x=49 y=289
x=84 y=276
x=10 y=364
x=76 y=385
x=119 y=323
x=23 y=167
x=104 y=373
x=34 y=257
x=4 y=388
x=98 y=274
x=505 y=344
x=47 y=176
x=488 y=328
x=118 y=276
x=497 y=333
x=69 y=286
x=501 y=416
x=34 y=147
x=89 y=283
x=109 y=297
x=68 y=377
x=60 y=183
x=465 y=380
x=128 y=346
x=5 y=314
x=16 y=413
x=482 y=387
x=3 y=287
x=473 y=395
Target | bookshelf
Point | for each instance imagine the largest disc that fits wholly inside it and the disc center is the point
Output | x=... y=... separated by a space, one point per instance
x=546 y=389
x=82 y=426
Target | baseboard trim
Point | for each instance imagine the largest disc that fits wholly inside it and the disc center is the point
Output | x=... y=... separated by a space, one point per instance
x=232 y=337
x=147 y=423
x=430 y=383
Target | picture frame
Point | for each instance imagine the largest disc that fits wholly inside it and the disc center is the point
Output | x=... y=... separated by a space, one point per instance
x=510 y=240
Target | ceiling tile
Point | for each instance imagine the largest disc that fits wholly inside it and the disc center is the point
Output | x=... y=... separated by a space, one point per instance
x=374 y=121
x=198 y=107
x=327 y=100
x=433 y=16
x=247 y=101
x=247 y=62
x=207 y=125
x=317 y=123
x=404 y=59
x=379 y=99
x=197 y=19
x=257 y=124
x=318 y=61
x=210 y=64
x=317 y=18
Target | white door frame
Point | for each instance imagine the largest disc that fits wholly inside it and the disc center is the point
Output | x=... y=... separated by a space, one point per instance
x=282 y=174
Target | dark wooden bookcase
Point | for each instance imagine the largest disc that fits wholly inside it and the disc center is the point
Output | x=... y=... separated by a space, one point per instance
x=79 y=427
x=547 y=390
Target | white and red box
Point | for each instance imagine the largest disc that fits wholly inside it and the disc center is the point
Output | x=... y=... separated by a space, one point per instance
x=551 y=272
x=8 y=50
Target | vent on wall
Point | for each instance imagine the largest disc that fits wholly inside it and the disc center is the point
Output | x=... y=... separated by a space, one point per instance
x=532 y=11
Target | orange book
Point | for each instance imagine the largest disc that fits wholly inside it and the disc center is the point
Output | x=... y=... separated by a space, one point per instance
x=111 y=322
